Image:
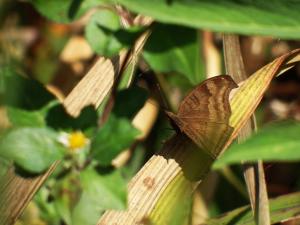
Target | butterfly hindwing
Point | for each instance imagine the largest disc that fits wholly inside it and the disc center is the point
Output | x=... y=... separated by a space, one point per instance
x=209 y=136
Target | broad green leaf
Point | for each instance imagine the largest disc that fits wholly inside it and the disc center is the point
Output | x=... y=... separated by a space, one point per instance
x=64 y=11
x=86 y=211
x=277 y=18
x=115 y=136
x=105 y=35
x=32 y=149
x=108 y=188
x=281 y=209
x=276 y=142
x=23 y=118
x=100 y=192
x=175 y=49
x=129 y=101
x=100 y=33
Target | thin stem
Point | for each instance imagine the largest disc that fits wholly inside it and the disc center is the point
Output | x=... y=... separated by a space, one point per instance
x=253 y=173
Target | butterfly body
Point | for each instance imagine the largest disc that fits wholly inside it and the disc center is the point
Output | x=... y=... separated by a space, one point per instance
x=204 y=114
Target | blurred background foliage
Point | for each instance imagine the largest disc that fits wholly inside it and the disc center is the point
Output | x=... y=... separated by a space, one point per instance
x=46 y=47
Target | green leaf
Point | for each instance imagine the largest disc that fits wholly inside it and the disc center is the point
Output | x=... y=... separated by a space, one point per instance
x=129 y=101
x=276 y=142
x=175 y=49
x=9 y=65
x=47 y=209
x=100 y=33
x=58 y=118
x=277 y=18
x=64 y=11
x=64 y=201
x=24 y=93
x=32 y=149
x=105 y=35
x=100 y=192
x=108 y=188
x=281 y=208
x=116 y=135
x=86 y=211
x=23 y=118
x=4 y=166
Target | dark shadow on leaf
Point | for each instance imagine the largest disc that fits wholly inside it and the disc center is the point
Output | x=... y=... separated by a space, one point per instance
x=167 y=37
x=24 y=93
x=124 y=37
x=128 y=37
x=58 y=118
x=25 y=173
x=74 y=8
x=131 y=99
x=104 y=170
x=192 y=169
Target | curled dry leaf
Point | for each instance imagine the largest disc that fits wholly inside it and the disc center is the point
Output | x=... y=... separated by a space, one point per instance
x=181 y=165
x=246 y=98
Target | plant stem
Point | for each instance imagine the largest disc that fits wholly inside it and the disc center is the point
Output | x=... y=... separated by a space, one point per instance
x=253 y=173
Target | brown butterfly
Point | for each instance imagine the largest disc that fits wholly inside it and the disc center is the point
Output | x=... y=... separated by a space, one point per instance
x=204 y=114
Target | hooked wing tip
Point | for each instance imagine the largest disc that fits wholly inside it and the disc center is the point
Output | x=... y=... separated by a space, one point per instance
x=232 y=83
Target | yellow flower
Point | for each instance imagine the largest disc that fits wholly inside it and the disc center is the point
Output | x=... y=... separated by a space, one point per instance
x=74 y=141
x=77 y=140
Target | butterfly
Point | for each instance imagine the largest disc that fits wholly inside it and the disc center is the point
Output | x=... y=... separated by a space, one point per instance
x=204 y=114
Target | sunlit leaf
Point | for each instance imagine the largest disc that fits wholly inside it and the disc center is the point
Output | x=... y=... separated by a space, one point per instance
x=116 y=135
x=100 y=33
x=33 y=149
x=106 y=36
x=281 y=209
x=175 y=49
x=277 y=18
x=22 y=118
x=277 y=142
x=64 y=10
x=100 y=192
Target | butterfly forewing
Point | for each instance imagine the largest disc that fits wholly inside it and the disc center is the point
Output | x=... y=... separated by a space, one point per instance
x=209 y=100
x=204 y=114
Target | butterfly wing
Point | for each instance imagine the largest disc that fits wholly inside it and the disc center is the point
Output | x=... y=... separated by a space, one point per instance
x=204 y=114
x=209 y=100
x=209 y=136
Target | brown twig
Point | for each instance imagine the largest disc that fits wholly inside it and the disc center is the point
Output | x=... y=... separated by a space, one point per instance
x=254 y=173
x=16 y=192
